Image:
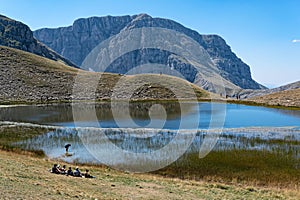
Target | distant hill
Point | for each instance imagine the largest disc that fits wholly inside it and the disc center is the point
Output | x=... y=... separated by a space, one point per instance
x=290 y=86
x=18 y=35
x=26 y=77
x=247 y=94
x=288 y=97
x=220 y=63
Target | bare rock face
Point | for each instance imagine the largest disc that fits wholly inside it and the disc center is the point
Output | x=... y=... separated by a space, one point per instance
x=18 y=35
x=231 y=67
x=77 y=41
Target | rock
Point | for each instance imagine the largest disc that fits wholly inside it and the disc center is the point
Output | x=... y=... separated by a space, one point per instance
x=18 y=35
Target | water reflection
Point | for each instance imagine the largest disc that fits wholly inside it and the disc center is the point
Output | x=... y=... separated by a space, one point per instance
x=61 y=114
x=95 y=139
x=236 y=115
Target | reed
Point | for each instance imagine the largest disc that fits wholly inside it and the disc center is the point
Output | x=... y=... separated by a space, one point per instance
x=10 y=136
x=254 y=167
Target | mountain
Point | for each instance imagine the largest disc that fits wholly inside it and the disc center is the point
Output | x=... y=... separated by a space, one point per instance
x=77 y=41
x=18 y=35
x=26 y=77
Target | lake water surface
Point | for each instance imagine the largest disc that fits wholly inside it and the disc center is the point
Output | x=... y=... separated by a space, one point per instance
x=235 y=115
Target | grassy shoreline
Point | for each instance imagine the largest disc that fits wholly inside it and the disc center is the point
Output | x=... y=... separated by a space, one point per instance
x=253 y=103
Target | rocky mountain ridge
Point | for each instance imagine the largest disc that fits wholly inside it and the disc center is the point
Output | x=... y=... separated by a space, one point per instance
x=17 y=35
x=75 y=43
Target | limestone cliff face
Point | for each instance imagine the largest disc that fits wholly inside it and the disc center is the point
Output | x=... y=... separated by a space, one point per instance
x=75 y=43
x=231 y=67
x=18 y=35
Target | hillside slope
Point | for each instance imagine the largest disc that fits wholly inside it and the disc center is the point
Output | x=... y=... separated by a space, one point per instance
x=247 y=94
x=288 y=97
x=31 y=78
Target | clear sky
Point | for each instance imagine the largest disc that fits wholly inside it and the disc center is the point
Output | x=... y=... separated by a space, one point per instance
x=263 y=33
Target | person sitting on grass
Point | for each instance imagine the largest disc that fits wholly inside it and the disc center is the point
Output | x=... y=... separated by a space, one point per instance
x=87 y=174
x=77 y=172
x=63 y=169
x=70 y=172
x=55 y=169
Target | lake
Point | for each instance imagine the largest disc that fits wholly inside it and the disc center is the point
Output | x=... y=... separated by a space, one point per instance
x=147 y=136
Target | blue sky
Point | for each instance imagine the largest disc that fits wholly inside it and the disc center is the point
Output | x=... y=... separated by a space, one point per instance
x=260 y=32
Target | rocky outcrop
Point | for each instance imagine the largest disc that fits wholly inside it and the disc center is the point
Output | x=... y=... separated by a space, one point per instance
x=18 y=35
x=77 y=41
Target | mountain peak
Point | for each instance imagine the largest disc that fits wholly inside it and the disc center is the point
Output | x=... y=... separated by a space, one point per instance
x=17 y=35
x=77 y=41
x=142 y=16
x=4 y=17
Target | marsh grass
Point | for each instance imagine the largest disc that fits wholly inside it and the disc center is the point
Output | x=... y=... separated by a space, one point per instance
x=256 y=161
x=254 y=167
x=11 y=135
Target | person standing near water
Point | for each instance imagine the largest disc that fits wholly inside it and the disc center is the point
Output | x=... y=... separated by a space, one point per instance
x=67 y=146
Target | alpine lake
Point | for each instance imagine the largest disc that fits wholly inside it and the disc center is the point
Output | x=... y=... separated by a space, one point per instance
x=188 y=140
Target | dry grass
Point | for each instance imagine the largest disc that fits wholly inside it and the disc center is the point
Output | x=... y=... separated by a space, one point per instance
x=25 y=78
x=27 y=177
x=283 y=98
